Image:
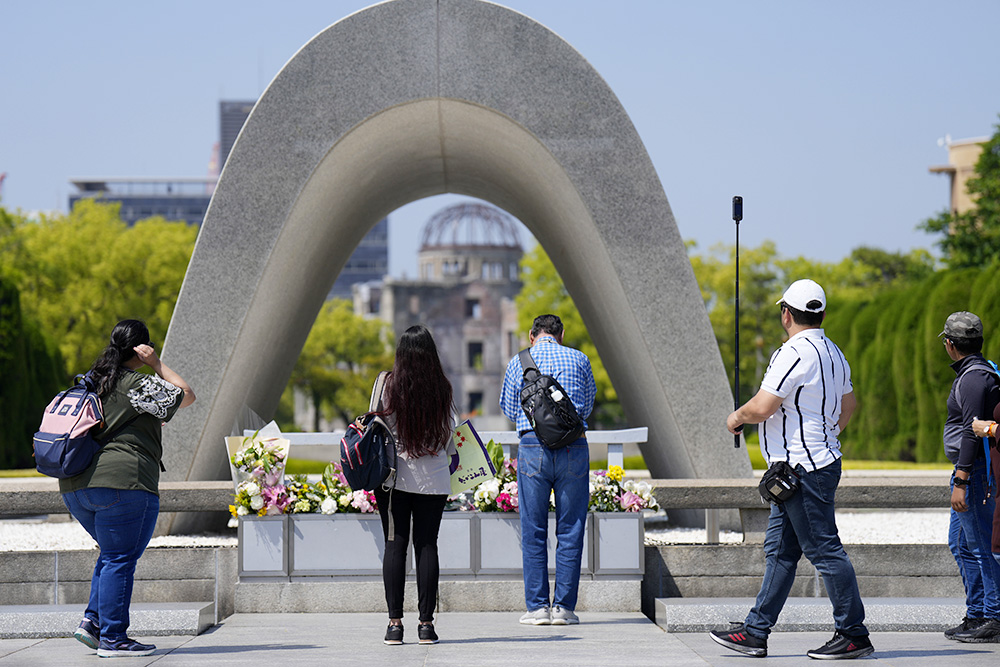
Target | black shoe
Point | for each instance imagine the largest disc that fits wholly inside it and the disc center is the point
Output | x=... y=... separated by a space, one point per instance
x=394 y=635
x=987 y=633
x=426 y=634
x=842 y=647
x=117 y=648
x=968 y=624
x=738 y=639
x=88 y=633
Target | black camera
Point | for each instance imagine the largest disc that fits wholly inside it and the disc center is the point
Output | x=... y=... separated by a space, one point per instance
x=779 y=483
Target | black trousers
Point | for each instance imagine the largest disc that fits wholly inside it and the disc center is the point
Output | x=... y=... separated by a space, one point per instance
x=425 y=513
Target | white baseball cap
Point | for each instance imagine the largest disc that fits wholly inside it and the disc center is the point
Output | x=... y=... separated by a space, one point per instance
x=805 y=295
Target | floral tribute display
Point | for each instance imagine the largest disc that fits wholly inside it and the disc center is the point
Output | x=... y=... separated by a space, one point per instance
x=262 y=489
x=611 y=492
x=331 y=495
x=500 y=493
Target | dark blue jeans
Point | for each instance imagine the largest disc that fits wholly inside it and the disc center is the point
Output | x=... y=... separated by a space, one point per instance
x=805 y=524
x=122 y=522
x=540 y=472
x=969 y=538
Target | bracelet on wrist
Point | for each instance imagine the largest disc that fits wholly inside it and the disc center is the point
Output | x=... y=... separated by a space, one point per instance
x=991 y=430
x=961 y=482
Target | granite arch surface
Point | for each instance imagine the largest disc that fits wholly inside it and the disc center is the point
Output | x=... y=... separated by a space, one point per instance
x=413 y=98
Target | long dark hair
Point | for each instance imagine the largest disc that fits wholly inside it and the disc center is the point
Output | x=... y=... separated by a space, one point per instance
x=418 y=394
x=107 y=369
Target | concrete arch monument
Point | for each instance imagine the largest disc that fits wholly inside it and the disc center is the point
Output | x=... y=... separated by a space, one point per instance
x=413 y=98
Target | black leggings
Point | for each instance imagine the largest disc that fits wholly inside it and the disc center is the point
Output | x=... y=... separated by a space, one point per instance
x=425 y=511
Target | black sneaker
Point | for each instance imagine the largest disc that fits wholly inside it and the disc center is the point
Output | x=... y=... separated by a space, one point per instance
x=88 y=633
x=426 y=634
x=738 y=639
x=394 y=635
x=123 y=647
x=987 y=633
x=842 y=647
x=968 y=624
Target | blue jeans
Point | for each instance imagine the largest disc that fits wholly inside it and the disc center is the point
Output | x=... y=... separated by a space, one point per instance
x=970 y=538
x=805 y=524
x=122 y=522
x=541 y=471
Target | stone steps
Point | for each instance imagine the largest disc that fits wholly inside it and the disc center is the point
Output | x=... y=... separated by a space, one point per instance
x=811 y=614
x=147 y=619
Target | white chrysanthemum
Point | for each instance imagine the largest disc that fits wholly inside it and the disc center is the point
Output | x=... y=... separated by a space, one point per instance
x=256 y=502
x=242 y=511
x=328 y=506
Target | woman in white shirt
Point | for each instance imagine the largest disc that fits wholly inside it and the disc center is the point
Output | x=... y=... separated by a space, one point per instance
x=417 y=406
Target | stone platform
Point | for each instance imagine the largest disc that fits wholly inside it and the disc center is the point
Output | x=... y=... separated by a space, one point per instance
x=147 y=619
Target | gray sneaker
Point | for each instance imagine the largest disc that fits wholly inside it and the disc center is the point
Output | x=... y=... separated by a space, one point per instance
x=563 y=616
x=537 y=617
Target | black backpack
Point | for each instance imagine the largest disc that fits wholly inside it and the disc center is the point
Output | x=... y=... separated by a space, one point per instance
x=547 y=406
x=368 y=450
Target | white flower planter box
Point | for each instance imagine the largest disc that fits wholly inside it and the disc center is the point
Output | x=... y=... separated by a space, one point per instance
x=469 y=543
x=336 y=544
x=500 y=543
x=618 y=543
x=263 y=550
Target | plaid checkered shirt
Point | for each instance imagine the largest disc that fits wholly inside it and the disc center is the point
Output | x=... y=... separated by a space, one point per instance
x=570 y=367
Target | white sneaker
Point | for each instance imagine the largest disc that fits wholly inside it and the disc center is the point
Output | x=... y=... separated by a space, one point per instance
x=563 y=616
x=537 y=617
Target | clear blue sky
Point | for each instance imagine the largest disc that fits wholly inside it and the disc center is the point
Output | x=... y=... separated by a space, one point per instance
x=824 y=116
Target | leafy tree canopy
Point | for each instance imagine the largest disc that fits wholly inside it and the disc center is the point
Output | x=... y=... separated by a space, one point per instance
x=339 y=361
x=78 y=274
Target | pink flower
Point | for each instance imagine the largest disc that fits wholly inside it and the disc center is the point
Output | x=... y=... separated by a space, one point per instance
x=363 y=501
x=510 y=490
x=631 y=502
x=274 y=477
x=276 y=499
x=505 y=503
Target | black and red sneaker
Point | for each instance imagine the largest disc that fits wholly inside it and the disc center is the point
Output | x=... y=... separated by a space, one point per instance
x=842 y=647
x=738 y=639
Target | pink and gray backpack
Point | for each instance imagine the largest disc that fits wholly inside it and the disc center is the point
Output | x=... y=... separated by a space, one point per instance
x=65 y=443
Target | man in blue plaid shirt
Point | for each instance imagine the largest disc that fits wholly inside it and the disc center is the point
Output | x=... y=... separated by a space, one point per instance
x=541 y=471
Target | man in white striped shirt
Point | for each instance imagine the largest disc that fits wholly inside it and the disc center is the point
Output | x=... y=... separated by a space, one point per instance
x=804 y=403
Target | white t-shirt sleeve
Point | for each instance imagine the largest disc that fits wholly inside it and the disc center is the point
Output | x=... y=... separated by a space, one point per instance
x=786 y=372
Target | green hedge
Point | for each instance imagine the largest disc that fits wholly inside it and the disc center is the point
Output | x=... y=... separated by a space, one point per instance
x=899 y=367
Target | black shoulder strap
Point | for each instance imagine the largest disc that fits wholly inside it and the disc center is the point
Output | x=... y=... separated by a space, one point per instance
x=527 y=362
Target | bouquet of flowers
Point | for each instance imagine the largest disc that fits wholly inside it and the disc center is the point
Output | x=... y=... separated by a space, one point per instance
x=500 y=493
x=262 y=459
x=252 y=498
x=611 y=492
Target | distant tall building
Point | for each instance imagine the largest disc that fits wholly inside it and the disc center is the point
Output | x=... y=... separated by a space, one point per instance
x=232 y=115
x=468 y=264
x=187 y=199
x=962 y=158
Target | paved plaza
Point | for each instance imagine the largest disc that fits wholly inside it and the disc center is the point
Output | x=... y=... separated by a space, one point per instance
x=478 y=639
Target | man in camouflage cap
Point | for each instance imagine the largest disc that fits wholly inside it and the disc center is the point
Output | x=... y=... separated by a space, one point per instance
x=975 y=392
